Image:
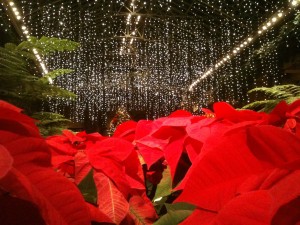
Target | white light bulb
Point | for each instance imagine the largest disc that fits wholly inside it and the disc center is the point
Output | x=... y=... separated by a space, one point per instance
x=294 y=3
x=50 y=80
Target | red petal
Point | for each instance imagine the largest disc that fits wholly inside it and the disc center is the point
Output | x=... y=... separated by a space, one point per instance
x=193 y=148
x=218 y=171
x=12 y=120
x=6 y=161
x=143 y=128
x=113 y=148
x=290 y=124
x=274 y=146
x=58 y=200
x=294 y=108
x=33 y=179
x=72 y=137
x=97 y=215
x=261 y=206
x=134 y=172
x=207 y=128
x=200 y=217
x=110 y=200
x=126 y=129
x=91 y=137
x=142 y=210
x=180 y=113
x=169 y=133
x=26 y=149
x=59 y=146
x=6 y=105
x=57 y=160
x=277 y=116
x=224 y=110
x=82 y=166
x=150 y=154
x=173 y=153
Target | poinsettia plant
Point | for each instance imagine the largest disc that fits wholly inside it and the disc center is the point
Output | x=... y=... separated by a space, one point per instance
x=227 y=166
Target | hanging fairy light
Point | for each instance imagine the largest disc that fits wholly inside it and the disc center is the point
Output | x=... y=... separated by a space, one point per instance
x=26 y=34
x=145 y=54
x=267 y=25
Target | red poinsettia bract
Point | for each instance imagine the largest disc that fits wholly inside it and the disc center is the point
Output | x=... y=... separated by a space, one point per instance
x=29 y=183
x=250 y=176
x=117 y=172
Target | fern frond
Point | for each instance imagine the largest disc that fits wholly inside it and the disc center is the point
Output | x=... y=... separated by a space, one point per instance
x=55 y=73
x=46 y=45
x=269 y=92
x=259 y=104
x=51 y=123
x=275 y=94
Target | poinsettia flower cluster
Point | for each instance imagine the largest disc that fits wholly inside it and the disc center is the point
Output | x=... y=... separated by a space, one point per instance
x=228 y=166
x=31 y=192
x=118 y=195
x=244 y=164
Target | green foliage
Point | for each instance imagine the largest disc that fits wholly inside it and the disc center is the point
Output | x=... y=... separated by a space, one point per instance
x=55 y=73
x=176 y=213
x=50 y=123
x=88 y=188
x=47 y=45
x=164 y=188
x=19 y=80
x=273 y=96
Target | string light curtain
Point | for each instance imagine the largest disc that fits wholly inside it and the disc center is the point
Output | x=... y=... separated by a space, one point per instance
x=144 y=55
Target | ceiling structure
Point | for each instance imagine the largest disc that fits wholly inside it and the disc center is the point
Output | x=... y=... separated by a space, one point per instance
x=145 y=55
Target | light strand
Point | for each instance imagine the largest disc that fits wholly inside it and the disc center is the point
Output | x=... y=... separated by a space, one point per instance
x=263 y=28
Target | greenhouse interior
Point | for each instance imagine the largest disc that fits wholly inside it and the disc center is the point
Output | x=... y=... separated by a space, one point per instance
x=136 y=112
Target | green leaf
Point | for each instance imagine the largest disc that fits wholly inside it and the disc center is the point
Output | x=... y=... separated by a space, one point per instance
x=88 y=188
x=176 y=213
x=273 y=95
x=164 y=188
x=55 y=73
x=179 y=206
